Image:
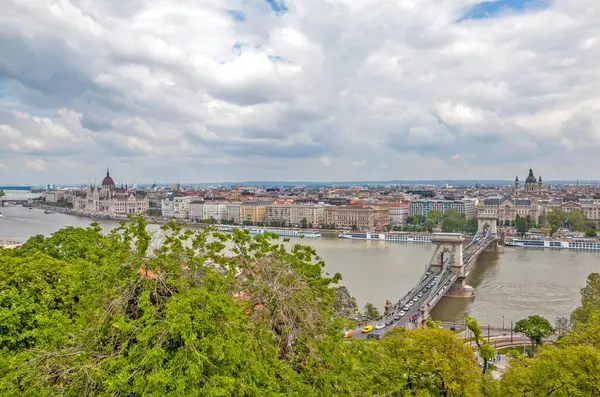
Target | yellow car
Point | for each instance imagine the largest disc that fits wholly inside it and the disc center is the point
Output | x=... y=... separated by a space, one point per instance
x=366 y=329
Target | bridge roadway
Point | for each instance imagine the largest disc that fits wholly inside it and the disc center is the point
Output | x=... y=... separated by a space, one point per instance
x=431 y=286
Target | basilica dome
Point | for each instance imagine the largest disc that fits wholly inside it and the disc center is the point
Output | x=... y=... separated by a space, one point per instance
x=530 y=178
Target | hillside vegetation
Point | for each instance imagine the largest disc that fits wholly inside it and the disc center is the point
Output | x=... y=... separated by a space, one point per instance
x=204 y=313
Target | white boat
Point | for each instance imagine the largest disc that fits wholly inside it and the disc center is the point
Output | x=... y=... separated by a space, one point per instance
x=279 y=232
x=286 y=232
x=575 y=243
x=402 y=237
x=48 y=212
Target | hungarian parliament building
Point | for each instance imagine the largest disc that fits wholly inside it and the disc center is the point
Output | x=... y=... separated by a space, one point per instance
x=110 y=199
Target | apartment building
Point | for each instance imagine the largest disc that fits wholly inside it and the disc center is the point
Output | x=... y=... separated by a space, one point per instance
x=53 y=196
x=294 y=214
x=399 y=213
x=466 y=207
x=350 y=217
x=176 y=207
x=253 y=211
x=313 y=213
x=233 y=211
x=382 y=213
x=196 y=209
x=278 y=213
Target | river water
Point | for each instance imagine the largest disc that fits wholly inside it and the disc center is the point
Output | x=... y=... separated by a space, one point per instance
x=509 y=285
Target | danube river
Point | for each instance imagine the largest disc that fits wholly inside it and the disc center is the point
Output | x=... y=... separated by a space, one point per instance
x=509 y=285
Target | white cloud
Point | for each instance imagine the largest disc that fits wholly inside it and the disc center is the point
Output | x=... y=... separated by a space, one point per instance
x=182 y=91
x=37 y=165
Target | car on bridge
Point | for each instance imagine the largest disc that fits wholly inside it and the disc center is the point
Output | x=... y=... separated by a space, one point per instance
x=379 y=326
x=374 y=336
x=367 y=329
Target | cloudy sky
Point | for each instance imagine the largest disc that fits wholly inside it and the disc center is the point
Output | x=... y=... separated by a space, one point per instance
x=208 y=90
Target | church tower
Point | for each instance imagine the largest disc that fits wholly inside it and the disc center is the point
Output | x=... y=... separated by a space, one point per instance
x=540 y=185
x=516 y=186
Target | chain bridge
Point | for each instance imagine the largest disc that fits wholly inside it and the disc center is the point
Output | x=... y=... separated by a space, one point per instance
x=449 y=267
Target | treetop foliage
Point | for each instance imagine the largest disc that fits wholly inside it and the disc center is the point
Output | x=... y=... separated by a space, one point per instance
x=204 y=313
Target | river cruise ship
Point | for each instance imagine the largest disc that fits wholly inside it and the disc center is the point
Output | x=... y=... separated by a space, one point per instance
x=402 y=237
x=575 y=243
x=279 y=232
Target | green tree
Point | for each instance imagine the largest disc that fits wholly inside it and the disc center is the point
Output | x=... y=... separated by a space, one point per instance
x=555 y=372
x=590 y=299
x=435 y=216
x=430 y=224
x=577 y=220
x=536 y=328
x=304 y=223
x=345 y=304
x=521 y=225
x=570 y=367
x=371 y=311
x=591 y=233
x=486 y=352
x=555 y=219
x=425 y=362
x=471 y=225
x=118 y=316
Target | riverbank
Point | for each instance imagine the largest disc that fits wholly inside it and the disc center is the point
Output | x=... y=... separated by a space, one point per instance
x=7 y=244
x=163 y=221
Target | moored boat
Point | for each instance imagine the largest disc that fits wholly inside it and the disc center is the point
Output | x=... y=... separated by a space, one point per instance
x=401 y=237
x=571 y=243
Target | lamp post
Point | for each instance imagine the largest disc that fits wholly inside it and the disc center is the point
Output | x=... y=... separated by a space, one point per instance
x=502 y=323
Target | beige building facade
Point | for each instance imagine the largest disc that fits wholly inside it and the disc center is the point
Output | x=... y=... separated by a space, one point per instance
x=253 y=212
x=294 y=214
x=350 y=217
x=506 y=209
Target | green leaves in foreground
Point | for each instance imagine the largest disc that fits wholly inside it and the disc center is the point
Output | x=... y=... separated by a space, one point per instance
x=203 y=313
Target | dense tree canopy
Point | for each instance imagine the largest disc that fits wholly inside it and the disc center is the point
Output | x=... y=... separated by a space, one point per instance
x=197 y=313
x=204 y=313
x=590 y=299
x=575 y=220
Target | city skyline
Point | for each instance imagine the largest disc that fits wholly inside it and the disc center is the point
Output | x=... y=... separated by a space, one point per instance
x=279 y=90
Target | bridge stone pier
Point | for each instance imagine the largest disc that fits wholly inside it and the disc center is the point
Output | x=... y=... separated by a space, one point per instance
x=487 y=221
x=449 y=267
x=448 y=246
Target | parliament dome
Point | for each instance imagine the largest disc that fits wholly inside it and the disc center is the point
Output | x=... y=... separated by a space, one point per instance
x=108 y=181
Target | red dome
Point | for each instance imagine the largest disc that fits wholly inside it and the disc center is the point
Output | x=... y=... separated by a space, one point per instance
x=108 y=181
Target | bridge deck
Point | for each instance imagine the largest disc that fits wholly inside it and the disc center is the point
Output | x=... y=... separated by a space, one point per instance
x=434 y=283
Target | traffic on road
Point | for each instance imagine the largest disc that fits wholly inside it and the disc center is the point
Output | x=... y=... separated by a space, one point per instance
x=405 y=312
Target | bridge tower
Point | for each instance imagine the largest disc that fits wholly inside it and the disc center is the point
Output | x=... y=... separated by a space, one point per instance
x=489 y=221
x=447 y=245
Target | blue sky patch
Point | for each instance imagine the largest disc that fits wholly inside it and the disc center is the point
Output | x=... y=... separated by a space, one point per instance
x=5 y=88
x=237 y=16
x=489 y=9
x=278 y=6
